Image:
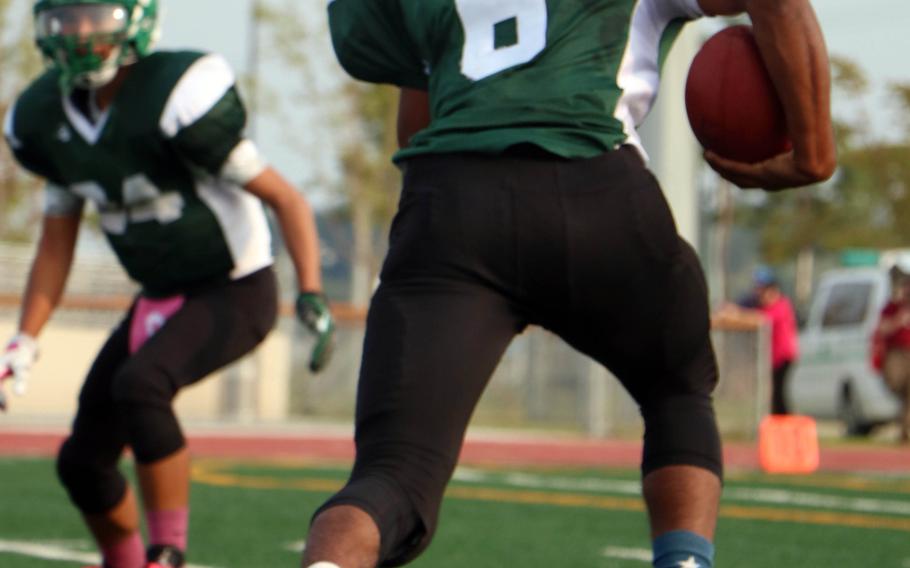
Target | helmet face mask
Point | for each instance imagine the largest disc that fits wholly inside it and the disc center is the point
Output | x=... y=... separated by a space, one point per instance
x=88 y=41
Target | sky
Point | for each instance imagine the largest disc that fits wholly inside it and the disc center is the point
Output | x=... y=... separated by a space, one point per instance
x=870 y=32
x=298 y=139
x=873 y=33
x=302 y=143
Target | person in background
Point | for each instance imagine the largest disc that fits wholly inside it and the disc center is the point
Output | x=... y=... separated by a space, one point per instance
x=155 y=141
x=766 y=303
x=892 y=334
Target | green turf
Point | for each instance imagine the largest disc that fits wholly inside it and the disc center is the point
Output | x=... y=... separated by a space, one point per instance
x=249 y=515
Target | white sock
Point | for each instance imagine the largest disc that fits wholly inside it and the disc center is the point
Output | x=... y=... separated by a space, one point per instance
x=324 y=564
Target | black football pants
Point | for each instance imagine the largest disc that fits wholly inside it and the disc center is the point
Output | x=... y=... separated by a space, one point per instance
x=126 y=399
x=482 y=247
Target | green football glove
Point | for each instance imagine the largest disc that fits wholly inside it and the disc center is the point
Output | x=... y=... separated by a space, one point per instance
x=313 y=311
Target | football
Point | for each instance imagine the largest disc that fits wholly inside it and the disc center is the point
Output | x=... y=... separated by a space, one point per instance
x=731 y=102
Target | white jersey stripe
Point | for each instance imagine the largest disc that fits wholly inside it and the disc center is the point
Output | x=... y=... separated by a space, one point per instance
x=243 y=164
x=60 y=202
x=90 y=131
x=197 y=91
x=243 y=223
x=639 y=73
x=240 y=214
x=8 y=130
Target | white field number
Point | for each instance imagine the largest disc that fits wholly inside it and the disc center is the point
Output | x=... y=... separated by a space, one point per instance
x=480 y=57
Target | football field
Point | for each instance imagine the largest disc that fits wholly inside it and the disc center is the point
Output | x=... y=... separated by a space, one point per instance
x=253 y=513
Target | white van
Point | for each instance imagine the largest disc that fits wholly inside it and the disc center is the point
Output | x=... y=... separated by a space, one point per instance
x=834 y=377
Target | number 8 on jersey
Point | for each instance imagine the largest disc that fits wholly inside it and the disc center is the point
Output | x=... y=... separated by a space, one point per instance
x=500 y=35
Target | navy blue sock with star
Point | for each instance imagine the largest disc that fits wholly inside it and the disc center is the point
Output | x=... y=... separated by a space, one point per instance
x=682 y=549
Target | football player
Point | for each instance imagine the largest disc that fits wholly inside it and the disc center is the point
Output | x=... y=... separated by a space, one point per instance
x=154 y=140
x=527 y=200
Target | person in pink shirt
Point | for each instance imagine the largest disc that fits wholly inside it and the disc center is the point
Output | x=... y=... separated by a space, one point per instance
x=767 y=303
x=778 y=310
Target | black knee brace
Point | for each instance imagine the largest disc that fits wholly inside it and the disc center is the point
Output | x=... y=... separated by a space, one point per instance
x=143 y=399
x=681 y=430
x=93 y=485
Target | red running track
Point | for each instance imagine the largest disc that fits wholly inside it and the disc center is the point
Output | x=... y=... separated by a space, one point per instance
x=517 y=451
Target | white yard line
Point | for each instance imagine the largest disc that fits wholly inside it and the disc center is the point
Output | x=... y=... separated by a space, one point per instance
x=624 y=553
x=48 y=551
x=742 y=494
x=534 y=481
x=295 y=546
x=819 y=500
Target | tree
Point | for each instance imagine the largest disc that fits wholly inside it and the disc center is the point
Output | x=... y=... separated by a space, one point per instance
x=370 y=181
x=20 y=62
x=354 y=120
x=900 y=92
x=863 y=206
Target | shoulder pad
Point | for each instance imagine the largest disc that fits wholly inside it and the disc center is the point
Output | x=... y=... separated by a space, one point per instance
x=202 y=84
x=25 y=114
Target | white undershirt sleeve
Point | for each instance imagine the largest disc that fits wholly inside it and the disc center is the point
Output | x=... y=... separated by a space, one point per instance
x=59 y=202
x=243 y=164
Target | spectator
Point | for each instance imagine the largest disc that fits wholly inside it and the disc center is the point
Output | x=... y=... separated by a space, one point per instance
x=767 y=303
x=893 y=332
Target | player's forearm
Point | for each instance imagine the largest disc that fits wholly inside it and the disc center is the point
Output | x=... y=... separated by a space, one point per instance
x=47 y=279
x=297 y=222
x=298 y=227
x=738 y=317
x=793 y=49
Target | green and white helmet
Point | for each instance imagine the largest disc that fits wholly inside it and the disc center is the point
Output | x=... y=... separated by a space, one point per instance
x=88 y=40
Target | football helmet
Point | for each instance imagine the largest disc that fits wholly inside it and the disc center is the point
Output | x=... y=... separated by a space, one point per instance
x=88 y=40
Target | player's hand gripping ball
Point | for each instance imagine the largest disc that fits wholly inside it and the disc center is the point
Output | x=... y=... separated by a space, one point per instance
x=313 y=311
x=733 y=107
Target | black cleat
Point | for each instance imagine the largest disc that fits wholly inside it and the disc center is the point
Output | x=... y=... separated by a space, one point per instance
x=164 y=556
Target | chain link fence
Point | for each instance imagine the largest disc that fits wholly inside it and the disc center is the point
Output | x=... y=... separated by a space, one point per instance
x=543 y=384
x=540 y=384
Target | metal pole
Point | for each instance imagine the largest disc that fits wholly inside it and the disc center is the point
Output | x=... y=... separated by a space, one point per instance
x=763 y=374
x=601 y=406
x=252 y=66
x=241 y=379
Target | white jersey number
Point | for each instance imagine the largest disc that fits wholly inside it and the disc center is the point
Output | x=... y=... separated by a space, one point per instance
x=480 y=56
x=142 y=201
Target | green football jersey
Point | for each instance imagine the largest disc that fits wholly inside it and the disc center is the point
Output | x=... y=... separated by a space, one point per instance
x=574 y=77
x=154 y=164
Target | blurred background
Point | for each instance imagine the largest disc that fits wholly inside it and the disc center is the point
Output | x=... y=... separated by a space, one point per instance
x=333 y=139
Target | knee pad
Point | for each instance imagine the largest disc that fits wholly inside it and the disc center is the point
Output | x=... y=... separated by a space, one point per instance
x=139 y=382
x=93 y=485
x=153 y=432
x=404 y=532
x=681 y=430
x=143 y=400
